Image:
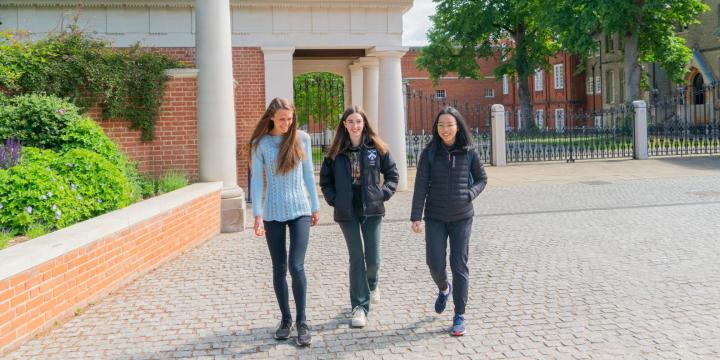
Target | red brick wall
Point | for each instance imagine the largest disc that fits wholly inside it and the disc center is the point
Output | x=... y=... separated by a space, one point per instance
x=175 y=143
x=249 y=72
x=30 y=302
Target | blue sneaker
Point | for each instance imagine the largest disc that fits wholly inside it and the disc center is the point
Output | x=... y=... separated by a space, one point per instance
x=442 y=299
x=458 y=328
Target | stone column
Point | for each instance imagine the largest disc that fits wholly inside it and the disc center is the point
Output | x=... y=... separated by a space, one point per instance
x=278 y=72
x=216 y=108
x=641 y=133
x=497 y=125
x=370 y=89
x=391 y=112
x=356 y=84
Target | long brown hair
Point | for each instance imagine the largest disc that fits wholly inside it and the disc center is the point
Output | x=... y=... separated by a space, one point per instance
x=291 y=152
x=341 y=142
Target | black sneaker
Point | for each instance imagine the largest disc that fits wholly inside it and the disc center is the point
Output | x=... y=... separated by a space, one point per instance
x=303 y=334
x=283 y=330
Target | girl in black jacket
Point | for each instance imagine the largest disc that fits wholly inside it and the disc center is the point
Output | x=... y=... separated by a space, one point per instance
x=350 y=182
x=449 y=176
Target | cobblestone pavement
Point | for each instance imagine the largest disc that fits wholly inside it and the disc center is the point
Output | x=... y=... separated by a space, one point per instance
x=602 y=269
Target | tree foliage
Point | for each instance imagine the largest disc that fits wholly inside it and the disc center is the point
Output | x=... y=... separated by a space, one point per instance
x=510 y=31
x=319 y=98
x=647 y=27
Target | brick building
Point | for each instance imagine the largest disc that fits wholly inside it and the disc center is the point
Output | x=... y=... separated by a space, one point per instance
x=555 y=91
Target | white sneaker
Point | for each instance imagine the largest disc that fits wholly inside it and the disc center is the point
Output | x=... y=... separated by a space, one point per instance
x=359 y=318
x=375 y=295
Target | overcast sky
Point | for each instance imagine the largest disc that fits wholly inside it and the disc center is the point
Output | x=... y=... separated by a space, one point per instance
x=416 y=23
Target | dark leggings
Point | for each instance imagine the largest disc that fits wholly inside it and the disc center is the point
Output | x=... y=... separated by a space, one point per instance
x=299 y=235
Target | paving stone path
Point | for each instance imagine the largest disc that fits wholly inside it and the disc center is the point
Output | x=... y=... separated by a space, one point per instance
x=601 y=269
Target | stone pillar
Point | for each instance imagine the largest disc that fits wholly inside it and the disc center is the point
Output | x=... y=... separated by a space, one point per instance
x=370 y=89
x=216 y=108
x=641 y=134
x=278 y=72
x=499 y=157
x=391 y=112
x=356 y=84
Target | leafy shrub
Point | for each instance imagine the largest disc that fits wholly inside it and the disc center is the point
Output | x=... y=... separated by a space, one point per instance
x=10 y=153
x=5 y=237
x=31 y=193
x=126 y=83
x=36 y=120
x=99 y=184
x=148 y=186
x=171 y=181
x=37 y=230
x=86 y=134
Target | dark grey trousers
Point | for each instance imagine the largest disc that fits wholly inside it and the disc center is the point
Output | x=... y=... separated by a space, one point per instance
x=436 y=242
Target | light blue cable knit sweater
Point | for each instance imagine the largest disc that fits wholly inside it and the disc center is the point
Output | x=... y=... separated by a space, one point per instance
x=285 y=198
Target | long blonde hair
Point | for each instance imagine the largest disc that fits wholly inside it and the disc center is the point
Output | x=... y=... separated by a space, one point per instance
x=291 y=152
x=341 y=142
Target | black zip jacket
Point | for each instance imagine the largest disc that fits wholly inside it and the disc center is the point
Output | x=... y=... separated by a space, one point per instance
x=443 y=188
x=336 y=182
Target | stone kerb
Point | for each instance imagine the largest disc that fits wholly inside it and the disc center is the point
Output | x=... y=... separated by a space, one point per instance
x=46 y=279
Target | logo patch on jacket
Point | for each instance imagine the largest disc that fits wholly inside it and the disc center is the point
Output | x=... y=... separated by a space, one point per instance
x=372 y=155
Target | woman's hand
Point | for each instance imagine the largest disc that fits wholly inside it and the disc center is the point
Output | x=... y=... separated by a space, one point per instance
x=314 y=218
x=259 y=227
x=417 y=227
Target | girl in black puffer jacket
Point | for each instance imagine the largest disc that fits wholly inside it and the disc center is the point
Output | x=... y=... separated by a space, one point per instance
x=350 y=182
x=449 y=176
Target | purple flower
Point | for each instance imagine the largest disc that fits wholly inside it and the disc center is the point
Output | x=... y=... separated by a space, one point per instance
x=50 y=193
x=10 y=153
x=43 y=197
x=1 y=206
x=70 y=164
x=62 y=111
x=57 y=215
x=73 y=186
x=99 y=201
x=29 y=209
x=54 y=207
x=79 y=197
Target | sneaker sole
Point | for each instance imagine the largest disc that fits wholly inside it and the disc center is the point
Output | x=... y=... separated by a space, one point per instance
x=352 y=324
x=301 y=344
x=457 y=333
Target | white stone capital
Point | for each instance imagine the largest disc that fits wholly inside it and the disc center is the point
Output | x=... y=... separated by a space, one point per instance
x=278 y=72
x=388 y=51
x=368 y=62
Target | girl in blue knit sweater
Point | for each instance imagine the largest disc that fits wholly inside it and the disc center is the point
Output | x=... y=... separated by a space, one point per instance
x=284 y=155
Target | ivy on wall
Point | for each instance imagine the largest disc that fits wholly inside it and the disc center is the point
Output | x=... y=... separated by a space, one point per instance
x=125 y=83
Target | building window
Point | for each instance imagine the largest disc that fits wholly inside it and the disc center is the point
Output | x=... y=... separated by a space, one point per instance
x=598 y=84
x=538 y=80
x=589 y=87
x=489 y=93
x=519 y=119
x=610 y=87
x=506 y=85
x=440 y=94
x=540 y=118
x=609 y=43
x=559 y=119
x=559 y=76
x=698 y=90
x=507 y=119
x=621 y=87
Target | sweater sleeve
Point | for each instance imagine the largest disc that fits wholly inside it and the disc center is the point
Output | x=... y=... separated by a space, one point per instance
x=256 y=181
x=309 y=174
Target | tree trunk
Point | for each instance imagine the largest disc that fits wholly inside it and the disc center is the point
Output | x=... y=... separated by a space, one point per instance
x=525 y=101
x=523 y=71
x=631 y=68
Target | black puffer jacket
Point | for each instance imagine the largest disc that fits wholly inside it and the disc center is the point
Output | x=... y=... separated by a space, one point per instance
x=336 y=182
x=443 y=188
